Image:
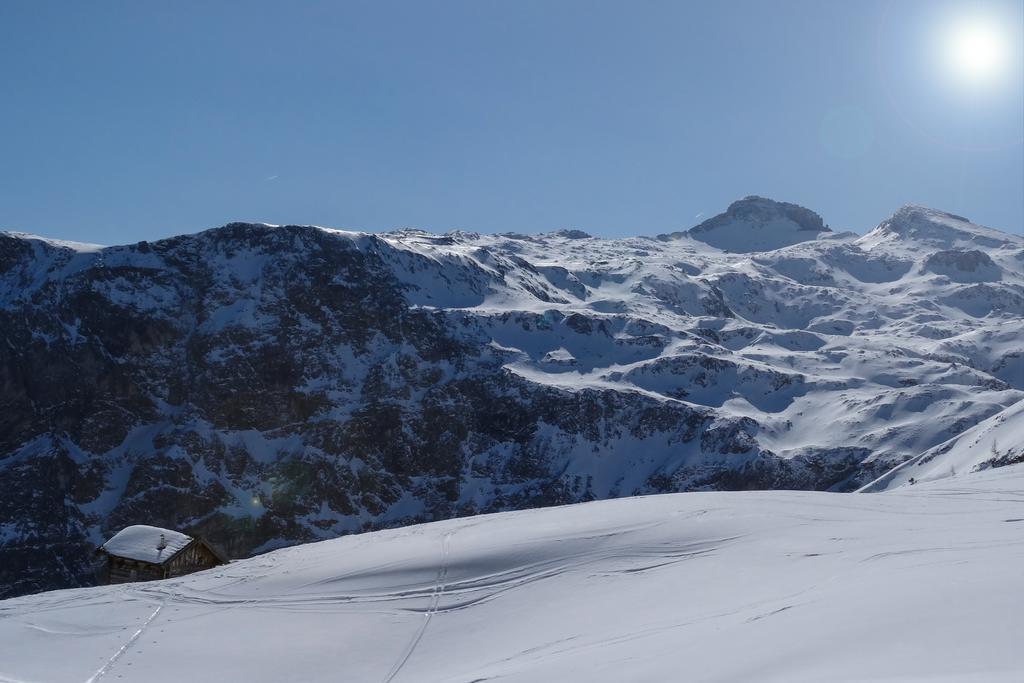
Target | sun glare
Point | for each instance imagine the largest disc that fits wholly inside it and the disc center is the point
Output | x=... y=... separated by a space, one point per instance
x=976 y=51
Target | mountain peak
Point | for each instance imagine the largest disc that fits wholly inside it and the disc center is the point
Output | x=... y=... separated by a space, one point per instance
x=937 y=228
x=918 y=213
x=761 y=209
x=758 y=224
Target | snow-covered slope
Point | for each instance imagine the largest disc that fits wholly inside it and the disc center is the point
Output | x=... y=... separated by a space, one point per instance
x=268 y=385
x=995 y=442
x=919 y=584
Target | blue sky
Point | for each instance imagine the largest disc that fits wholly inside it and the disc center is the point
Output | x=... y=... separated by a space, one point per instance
x=124 y=121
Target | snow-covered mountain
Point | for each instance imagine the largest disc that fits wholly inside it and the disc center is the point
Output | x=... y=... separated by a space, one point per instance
x=757 y=224
x=917 y=584
x=264 y=386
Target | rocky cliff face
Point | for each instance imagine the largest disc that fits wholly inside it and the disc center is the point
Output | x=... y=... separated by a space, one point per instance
x=266 y=385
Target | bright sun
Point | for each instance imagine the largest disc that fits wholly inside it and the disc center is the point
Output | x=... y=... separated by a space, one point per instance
x=976 y=51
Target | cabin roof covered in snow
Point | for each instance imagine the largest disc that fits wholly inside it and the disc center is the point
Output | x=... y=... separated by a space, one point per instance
x=142 y=542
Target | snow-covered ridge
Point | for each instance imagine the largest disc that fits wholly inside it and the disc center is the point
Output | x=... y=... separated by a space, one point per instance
x=912 y=585
x=83 y=247
x=265 y=385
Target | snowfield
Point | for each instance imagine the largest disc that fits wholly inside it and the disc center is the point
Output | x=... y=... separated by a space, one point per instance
x=920 y=583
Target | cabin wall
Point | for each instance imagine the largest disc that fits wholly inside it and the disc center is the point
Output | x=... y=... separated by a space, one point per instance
x=193 y=558
x=121 y=570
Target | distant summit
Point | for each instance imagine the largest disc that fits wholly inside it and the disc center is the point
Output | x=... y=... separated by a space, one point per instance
x=936 y=228
x=571 y=234
x=756 y=224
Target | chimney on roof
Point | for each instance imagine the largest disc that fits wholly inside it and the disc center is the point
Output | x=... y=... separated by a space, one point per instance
x=163 y=543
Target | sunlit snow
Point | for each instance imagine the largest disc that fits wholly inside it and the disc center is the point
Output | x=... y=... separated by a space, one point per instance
x=910 y=585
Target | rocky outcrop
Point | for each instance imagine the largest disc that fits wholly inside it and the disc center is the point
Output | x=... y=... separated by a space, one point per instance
x=969 y=265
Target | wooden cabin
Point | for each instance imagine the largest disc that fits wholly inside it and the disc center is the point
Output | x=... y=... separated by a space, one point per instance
x=146 y=553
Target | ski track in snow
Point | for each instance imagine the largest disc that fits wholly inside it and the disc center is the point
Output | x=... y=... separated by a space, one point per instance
x=103 y=670
x=439 y=585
